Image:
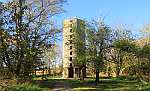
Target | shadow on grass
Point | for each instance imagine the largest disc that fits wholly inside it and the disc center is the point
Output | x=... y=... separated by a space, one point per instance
x=118 y=85
x=89 y=85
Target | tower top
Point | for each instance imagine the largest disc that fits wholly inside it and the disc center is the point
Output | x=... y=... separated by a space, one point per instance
x=73 y=18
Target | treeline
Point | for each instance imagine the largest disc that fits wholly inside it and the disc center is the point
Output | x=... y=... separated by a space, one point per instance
x=113 y=51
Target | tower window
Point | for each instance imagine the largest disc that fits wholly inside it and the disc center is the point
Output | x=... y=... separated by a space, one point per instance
x=70 y=47
x=70 y=41
x=70 y=53
x=70 y=36
x=70 y=64
x=70 y=30
x=70 y=58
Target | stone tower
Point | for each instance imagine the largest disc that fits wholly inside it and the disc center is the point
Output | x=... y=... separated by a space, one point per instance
x=69 y=69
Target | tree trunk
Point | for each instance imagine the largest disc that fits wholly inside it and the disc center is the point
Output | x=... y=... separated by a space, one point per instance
x=108 y=72
x=97 y=76
x=81 y=74
x=18 y=69
x=35 y=72
x=117 y=72
x=84 y=71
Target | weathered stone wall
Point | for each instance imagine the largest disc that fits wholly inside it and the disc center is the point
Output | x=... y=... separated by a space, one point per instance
x=67 y=31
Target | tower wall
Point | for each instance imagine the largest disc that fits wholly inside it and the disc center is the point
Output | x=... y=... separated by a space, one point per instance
x=69 y=69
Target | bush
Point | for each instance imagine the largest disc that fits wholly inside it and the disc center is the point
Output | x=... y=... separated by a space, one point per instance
x=24 y=87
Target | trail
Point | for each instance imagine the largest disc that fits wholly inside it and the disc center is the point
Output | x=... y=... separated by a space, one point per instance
x=60 y=86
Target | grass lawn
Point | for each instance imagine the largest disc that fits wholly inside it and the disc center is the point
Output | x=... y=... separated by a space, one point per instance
x=89 y=85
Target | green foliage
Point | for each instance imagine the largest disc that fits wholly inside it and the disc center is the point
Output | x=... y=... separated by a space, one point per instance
x=144 y=52
x=25 y=32
x=140 y=66
x=125 y=45
x=79 y=43
x=123 y=50
x=24 y=87
x=98 y=41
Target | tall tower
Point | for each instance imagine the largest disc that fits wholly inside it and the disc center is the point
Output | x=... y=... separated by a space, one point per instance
x=70 y=70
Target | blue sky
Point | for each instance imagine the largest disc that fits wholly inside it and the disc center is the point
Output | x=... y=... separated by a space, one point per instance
x=133 y=13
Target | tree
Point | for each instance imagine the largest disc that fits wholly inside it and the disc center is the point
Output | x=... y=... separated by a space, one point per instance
x=122 y=46
x=2 y=34
x=127 y=47
x=26 y=32
x=98 y=40
x=78 y=38
x=123 y=49
x=143 y=64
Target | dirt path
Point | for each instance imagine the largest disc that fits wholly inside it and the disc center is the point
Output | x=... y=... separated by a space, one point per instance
x=61 y=86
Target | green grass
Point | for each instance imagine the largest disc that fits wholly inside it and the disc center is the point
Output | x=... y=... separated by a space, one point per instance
x=113 y=84
x=145 y=87
x=106 y=84
x=24 y=87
